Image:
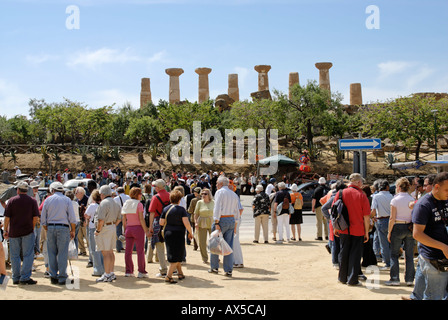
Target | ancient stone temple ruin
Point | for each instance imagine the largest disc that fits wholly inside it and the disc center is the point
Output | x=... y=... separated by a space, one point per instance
x=225 y=100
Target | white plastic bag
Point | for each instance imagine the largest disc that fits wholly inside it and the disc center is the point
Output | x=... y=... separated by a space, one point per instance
x=72 y=251
x=217 y=244
x=5 y=249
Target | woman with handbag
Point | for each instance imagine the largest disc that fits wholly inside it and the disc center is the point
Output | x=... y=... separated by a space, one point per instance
x=400 y=233
x=174 y=221
x=296 y=218
x=135 y=230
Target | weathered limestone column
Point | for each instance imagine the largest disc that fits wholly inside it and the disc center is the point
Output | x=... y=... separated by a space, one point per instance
x=145 y=93
x=204 y=93
x=293 y=79
x=174 y=74
x=234 y=91
x=355 y=94
x=263 y=81
x=324 y=74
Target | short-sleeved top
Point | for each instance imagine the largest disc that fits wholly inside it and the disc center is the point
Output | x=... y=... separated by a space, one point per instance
x=174 y=220
x=381 y=203
x=401 y=202
x=21 y=210
x=109 y=211
x=295 y=196
x=90 y=211
x=431 y=213
x=319 y=192
x=155 y=205
x=132 y=219
x=261 y=203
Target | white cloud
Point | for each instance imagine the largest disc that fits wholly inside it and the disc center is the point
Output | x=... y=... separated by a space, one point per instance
x=423 y=73
x=91 y=59
x=40 y=58
x=390 y=68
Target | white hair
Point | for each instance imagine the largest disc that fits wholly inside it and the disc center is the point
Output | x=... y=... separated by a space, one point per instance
x=223 y=180
x=259 y=188
x=106 y=190
x=80 y=190
x=281 y=185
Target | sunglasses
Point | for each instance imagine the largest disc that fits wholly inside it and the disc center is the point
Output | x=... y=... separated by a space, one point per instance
x=204 y=194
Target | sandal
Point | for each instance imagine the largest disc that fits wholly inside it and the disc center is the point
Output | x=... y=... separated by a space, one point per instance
x=181 y=276
x=170 y=280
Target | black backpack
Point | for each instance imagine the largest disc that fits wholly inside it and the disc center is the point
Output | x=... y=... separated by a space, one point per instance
x=147 y=213
x=339 y=214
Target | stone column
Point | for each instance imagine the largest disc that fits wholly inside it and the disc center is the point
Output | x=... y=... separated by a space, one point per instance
x=293 y=79
x=263 y=81
x=204 y=93
x=324 y=74
x=174 y=74
x=145 y=93
x=234 y=91
x=355 y=94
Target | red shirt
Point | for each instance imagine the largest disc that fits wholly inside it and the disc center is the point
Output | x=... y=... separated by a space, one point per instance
x=21 y=210
x=358 y=206
x=155 y=205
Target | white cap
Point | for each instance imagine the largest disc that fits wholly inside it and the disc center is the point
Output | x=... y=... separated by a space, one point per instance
x=294 y=187
x=322 y=180
x=56 y=186
x=22 y=185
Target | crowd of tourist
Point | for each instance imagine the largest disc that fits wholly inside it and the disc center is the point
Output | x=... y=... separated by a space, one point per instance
x=157 y=214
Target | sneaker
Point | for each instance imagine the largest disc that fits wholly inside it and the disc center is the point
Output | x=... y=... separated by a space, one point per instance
x=362 y=277
x=336 y=266
x=328 y=248
x=394 y=283
x=228 y=274
x=113 y=276
x=4 y=281
x=142 y=275
x=161 y=275
x=29 y=281
x=46 y=274
x=212 y=270
x=102 y=278
x=128 y=275
x=89 y=264
x=238 y=265
x=409 y=283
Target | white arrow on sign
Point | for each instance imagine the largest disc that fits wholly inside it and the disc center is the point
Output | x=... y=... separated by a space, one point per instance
x=361 y=144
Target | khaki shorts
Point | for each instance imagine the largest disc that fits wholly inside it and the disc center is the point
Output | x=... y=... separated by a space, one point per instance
x=106 y=240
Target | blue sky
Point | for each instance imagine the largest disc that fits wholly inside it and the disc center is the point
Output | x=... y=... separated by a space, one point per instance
x=119 y=42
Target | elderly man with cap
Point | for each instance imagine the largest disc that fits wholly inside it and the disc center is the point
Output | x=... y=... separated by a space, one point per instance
x=59 y=220
x=21 y=215
x=108 y=216
x=316 y=207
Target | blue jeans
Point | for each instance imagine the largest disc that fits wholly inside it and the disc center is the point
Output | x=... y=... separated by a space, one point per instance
x=25 y=245
x=96 y=256
x=402 y=235
x=430 y=283
x=37 y=231
x=227 y=226
x=382 y=228
x=119 y=233
x=58 y=239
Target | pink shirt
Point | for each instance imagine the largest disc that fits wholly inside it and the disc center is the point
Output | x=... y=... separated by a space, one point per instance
x=132 y=218
x=401 y=203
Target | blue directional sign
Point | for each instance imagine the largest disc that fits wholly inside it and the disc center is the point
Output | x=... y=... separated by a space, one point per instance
x=359 y=144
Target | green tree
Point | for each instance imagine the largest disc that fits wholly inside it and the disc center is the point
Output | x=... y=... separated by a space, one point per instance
x=408 y=119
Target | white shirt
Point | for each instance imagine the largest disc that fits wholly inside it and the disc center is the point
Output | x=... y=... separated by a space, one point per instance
x=123 y=197
x=76 y=209
x=269 y=188
x=226 y=203
x=90 y=211
x=401 y=202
